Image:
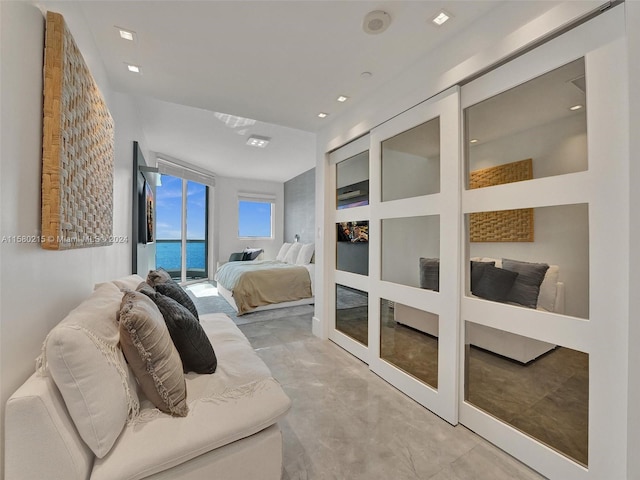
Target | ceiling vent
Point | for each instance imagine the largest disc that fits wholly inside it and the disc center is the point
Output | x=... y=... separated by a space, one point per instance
x=376 y=22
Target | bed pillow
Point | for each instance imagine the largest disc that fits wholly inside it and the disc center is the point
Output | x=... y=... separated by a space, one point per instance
x=494 y=284
x=147 y=346
x=188 y=336
x=236 y=257
x=306 y=254
x=477 y=269
x=292 y=253
x=430 y=273
x=526 y=288
x=283 y=251
x=175 y=291
x=250 y=254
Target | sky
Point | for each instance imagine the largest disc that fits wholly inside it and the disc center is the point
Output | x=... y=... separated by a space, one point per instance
x=169 y=209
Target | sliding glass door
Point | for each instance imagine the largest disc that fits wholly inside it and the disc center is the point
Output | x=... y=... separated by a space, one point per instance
x=181 y=219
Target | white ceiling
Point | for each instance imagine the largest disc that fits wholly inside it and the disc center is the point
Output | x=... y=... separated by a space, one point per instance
x=278 y=62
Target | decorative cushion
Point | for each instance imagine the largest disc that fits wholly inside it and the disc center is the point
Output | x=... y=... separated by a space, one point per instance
x=194 y=347
x=251 y=254
x=549 y=289
x=83 y=358
x=158 y=276
x=494 y=284
x=306 y=254
x=175 y=291
x=477 y=269
x=283 y=251
x=526 y=288
x=148 y=290
x=292 y=253
x=148 y=348
x=430 y=273
x=236 y=257
x=129 y=282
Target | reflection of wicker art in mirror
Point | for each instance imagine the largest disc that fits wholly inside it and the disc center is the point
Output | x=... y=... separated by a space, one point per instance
x=77 y=150
x=503 y=225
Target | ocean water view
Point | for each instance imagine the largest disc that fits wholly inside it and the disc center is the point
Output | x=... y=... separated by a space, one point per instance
x=168 y=254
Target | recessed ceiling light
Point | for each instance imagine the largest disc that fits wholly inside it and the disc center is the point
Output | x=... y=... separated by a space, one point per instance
x=126 y=34
x=133 y=68
x=575 y=107
x=473 y=140
x=323 y=115
x=441 y=17
x=258 y=141
x=366 y=74
x=342 y=98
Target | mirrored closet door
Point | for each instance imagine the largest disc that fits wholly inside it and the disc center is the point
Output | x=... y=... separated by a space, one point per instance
x=413 y=335
x=539 y=209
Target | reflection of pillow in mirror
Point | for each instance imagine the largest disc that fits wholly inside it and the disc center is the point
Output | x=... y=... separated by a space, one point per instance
x=494 y=284
x=430 y=273
x=526 y=288
x=477 y=269
x=548 y=289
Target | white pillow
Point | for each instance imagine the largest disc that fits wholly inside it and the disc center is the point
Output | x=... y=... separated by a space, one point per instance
x=548 y=288
x=283 y=251
x=306 y=253
x=89 y=369
x=292 y=254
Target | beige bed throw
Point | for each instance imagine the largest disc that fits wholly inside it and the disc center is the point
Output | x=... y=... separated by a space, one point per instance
x=264 y=287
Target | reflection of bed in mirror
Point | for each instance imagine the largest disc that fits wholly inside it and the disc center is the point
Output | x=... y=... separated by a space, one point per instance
x=516 y=347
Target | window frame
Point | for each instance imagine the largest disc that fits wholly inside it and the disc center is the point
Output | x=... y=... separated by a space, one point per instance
x=257 y=198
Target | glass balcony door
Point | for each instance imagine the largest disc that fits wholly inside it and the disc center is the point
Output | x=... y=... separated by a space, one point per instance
x=181 y=228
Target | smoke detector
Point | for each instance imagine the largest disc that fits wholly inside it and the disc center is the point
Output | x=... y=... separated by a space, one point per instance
x=376 y=22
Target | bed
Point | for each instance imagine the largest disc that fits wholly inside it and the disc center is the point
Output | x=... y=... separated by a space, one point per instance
x=250 y=286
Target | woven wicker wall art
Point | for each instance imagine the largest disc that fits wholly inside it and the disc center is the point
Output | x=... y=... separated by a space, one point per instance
x=503 y=225
x=77 y=150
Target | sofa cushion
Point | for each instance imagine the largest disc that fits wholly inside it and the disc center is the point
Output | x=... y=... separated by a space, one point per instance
x=494 y=284
x=192 y=343
x=148 y=348
x=129 y=282
x=526 y=288
x=240 y=399
x=158 y=276
x=549 y=289
x=175 y=291
x=430 y=273
x=81 y=353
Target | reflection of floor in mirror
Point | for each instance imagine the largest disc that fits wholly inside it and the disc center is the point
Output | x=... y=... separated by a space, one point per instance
x=546 y=399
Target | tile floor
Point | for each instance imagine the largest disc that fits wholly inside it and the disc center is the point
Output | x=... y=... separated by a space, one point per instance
x=348 y=424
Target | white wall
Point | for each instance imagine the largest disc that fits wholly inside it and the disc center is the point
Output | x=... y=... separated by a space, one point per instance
x=226 y=217
x=633 y=44
x=38 y=287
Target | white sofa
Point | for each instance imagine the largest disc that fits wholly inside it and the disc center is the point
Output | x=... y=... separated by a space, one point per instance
x=230 y=432
x=507 y=344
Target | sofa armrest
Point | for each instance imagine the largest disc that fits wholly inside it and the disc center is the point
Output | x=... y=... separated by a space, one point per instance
x=41 y=440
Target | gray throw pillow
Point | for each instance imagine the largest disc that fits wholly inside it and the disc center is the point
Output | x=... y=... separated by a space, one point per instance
x=175 y=291
x=430 y=273
x=156 y=277
x=526 y=288
x=188 y=336
x=494 y=284
x=477 y=269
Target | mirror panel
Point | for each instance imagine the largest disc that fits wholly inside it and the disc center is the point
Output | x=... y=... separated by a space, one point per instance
x=543 y=121
x=352 y=181
x=352 y=313
x=409 y=340
x=539 y=388
x=411 y=162
x=352 y=247
x=411 y=251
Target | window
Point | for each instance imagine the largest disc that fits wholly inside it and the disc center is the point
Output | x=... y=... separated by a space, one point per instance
x=255 y=217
